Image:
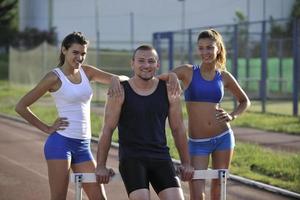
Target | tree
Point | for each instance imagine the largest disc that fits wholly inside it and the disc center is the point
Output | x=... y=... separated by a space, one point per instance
x=8 y=21
x=32 y=37
x=240 y=19
x=296 y=9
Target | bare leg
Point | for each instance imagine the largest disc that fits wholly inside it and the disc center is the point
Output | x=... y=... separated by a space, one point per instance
x=220 y=160
x=58 y=172
x=197 y=187
x=140 y=194
x=94 y=191
x=174 y=193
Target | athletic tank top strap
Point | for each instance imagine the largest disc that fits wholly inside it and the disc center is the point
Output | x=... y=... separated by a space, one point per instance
x=62 y=76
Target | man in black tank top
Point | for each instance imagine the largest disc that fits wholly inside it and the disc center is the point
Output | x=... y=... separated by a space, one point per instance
x=140 y=114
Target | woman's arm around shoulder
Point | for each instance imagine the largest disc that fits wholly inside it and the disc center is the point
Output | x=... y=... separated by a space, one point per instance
x=184 y=72
x=98 y=75
x=181 y=72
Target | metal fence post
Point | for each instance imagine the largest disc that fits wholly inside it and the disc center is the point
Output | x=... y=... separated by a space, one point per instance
x=263 y=81
x=191 y=58
x=235 y=48
x=171 y=50
x=156 y=45
x=296 y=66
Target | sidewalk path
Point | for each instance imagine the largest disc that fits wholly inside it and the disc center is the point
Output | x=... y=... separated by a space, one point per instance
x=277 y=141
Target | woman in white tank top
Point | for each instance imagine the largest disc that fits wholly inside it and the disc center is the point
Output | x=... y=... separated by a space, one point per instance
x=70 y=88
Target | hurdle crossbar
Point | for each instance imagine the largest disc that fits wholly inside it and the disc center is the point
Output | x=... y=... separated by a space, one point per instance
x=222 y=174
x=79 y=178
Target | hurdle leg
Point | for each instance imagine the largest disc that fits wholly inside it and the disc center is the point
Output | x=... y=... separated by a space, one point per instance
x=220 y=174
x=78 y=186
x=223 y=181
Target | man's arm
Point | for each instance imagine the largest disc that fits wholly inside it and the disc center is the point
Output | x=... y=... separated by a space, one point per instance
x=179 y=134
x=111 y=118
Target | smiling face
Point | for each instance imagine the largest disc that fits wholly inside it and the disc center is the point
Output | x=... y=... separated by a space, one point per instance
x=208 y=50
x=74 y=55
x=145 y=63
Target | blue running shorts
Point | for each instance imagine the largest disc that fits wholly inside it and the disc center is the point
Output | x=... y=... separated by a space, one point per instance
x=206 y=146
x=58 y=147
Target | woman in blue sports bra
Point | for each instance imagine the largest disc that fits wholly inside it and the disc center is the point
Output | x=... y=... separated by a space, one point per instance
x=208 y=124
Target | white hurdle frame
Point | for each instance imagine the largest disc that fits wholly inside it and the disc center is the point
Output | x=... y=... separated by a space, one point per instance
x=79 y=178
x=222 y=174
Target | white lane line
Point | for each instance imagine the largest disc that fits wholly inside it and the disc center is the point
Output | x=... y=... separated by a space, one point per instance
x=24 y=167
x=29 y=169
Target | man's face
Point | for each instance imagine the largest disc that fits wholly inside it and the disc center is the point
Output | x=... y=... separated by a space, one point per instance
x=145 y=64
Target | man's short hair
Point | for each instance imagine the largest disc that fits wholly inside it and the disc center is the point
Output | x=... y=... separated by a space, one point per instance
x=145 y=47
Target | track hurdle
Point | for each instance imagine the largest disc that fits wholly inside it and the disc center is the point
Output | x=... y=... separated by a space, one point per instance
x=222 y=174
x=79 y=178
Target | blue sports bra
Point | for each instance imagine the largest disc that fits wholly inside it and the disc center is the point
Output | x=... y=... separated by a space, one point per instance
x=202 y=90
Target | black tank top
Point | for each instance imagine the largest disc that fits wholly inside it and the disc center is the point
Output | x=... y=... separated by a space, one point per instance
x=142 y=124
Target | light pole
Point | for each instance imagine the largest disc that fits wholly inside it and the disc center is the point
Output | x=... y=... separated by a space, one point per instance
x=182 y=30
x=264 y=10
x=50 y=14
x=97 y=92
x=248 y=10
x=97 y=33
x=132 y=31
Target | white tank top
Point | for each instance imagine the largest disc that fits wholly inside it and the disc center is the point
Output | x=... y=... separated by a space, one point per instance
x=73 y=102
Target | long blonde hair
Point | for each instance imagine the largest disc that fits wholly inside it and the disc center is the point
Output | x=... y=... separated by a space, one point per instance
x=217 y=37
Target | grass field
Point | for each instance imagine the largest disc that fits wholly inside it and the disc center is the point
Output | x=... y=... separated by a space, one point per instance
x=255 y=162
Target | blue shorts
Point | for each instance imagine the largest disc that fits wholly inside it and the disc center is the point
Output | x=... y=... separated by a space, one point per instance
x=58 y=147
x=206 y=146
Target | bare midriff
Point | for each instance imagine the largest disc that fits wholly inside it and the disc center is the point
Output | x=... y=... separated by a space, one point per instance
x=202 y=121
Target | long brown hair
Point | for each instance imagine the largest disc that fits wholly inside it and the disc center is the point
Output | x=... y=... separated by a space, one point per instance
x=217 y=37
x=72 y=38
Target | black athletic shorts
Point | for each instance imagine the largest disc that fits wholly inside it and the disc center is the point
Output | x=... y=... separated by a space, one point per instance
x=138 y=172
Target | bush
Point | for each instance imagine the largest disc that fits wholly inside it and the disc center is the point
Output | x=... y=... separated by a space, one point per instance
x=32 y=37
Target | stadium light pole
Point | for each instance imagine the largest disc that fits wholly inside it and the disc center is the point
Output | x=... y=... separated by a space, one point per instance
x=97 y=92
x=264 y=10
x=50 y=14
x=248 y=10
x=97 y=32
x=132 y=30
x=182 y=30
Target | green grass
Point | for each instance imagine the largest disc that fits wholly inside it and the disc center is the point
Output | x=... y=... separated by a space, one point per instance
x=269 y=122
x=251 y=161
x=275 y=168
